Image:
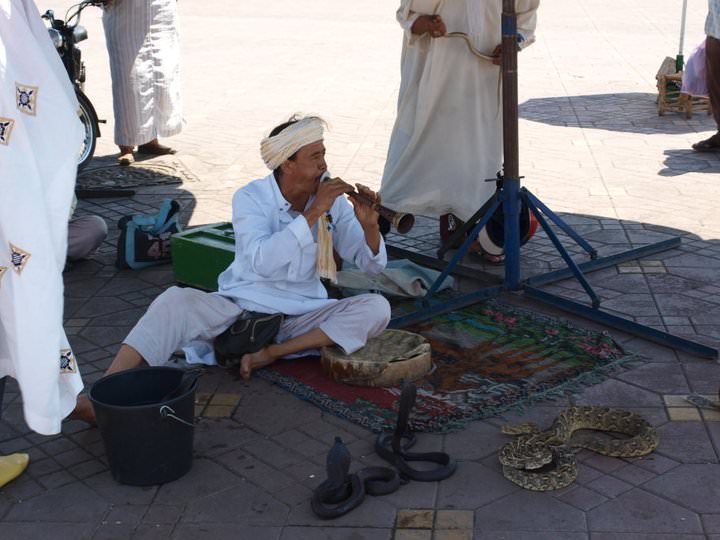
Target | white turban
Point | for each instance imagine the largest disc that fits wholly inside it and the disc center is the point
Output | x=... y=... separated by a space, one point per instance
x=276 y=149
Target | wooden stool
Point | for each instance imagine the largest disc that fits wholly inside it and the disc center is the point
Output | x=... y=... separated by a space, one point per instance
x=670 y=98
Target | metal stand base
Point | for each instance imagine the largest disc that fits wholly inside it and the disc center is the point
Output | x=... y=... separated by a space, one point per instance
x=429 y=309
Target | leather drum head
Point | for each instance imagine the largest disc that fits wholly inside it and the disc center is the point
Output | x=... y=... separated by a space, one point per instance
x=386 y=360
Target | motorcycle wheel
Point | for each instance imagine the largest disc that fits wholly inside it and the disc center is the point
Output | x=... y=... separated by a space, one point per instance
x=90 y=123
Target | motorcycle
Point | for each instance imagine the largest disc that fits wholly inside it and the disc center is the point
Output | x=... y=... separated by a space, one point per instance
x=65 y=36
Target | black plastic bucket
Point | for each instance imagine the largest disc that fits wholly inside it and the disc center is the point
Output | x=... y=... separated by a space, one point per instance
x=145 y=416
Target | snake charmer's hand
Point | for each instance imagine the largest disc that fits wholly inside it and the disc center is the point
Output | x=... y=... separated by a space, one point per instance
x=368 y=217
x=429 y=24
x=328 y=191
x=365 y=214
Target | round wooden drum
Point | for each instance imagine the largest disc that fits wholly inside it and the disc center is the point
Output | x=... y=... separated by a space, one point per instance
x=385 y=360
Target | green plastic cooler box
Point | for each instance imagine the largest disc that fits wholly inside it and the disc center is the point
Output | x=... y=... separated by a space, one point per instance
x=200 y=254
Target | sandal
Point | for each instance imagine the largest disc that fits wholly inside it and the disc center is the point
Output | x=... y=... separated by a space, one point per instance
x=708 y=145
x=126 y=159
x=155 y=149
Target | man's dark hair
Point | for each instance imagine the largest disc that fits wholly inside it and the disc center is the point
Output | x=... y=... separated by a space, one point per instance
x=277 y=129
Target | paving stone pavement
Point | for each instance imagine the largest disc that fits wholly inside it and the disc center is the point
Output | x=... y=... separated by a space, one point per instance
x=592 y=148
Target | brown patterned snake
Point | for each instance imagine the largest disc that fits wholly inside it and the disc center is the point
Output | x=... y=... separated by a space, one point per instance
x=545 y=460
x=470 y=45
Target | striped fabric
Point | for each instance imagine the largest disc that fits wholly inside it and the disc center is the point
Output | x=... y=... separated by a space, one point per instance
x=712 y=23
x=144 y=50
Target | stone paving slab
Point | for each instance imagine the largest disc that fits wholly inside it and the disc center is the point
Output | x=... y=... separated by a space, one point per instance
x=592 y=147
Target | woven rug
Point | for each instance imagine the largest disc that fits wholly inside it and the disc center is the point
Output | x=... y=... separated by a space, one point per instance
x=488 y=358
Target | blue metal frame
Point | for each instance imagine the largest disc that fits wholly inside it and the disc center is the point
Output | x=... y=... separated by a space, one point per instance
x=557 y=220
x=511 y=196
x=613 y=321
x=605 y=262
x=428 y=309
x=572 y=265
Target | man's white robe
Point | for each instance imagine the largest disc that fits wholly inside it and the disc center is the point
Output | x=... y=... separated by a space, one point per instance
x=40 y=138
x=144 y=50
x=447 y=137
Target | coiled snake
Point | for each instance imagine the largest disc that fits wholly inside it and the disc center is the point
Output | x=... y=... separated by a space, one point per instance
x=342 y=491
x=545 y=460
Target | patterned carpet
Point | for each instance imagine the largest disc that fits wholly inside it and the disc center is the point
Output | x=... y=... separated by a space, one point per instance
x=489 y=358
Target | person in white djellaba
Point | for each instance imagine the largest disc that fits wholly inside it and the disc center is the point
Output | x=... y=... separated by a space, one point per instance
x=286 y=226
x=447 y=137
x=144 y=50
x=40 y=137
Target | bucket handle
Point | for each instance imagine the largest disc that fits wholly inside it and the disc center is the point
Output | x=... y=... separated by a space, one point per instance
x=169 y=412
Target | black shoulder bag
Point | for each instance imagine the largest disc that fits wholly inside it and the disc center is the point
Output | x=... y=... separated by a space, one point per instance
x=250 y=333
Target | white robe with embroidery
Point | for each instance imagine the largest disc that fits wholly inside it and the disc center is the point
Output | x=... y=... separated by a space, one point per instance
x=144 y=50
x=40 y=138
x=447 y=137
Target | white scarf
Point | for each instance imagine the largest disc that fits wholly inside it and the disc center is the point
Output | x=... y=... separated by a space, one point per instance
x=276 y=149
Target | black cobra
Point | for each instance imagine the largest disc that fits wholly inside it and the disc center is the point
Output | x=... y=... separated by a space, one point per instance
x=342 y=492
x=392 y=447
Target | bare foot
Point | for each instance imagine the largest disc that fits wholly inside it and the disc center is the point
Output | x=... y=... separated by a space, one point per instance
x=83 y=411
x=255 y=360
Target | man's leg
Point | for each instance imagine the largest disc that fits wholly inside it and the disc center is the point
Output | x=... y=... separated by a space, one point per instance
x=712 y=67
x=348 y=323
x=175 y=318
x=712 y=74
x=85 y=235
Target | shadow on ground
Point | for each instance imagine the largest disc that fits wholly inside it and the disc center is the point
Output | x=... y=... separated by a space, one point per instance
x=631 y=112
x=681 y=161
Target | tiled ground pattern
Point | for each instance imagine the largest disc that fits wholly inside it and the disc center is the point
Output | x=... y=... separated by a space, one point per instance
x=592 y=148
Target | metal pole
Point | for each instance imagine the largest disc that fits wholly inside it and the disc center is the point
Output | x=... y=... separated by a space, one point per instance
x=679 y=59
x=511 y=164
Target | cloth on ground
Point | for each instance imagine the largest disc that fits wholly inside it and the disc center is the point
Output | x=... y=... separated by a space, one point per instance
x=399 y=278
